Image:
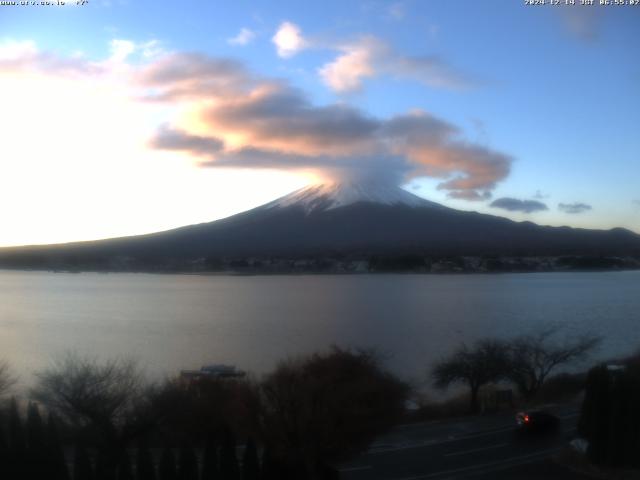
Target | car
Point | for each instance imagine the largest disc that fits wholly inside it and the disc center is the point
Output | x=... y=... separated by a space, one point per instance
x=537 y=422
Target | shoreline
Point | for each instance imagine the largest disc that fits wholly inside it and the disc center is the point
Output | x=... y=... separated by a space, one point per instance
x=315 y=273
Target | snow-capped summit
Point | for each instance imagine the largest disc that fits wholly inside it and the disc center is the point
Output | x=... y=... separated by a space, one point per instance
x=334 y=195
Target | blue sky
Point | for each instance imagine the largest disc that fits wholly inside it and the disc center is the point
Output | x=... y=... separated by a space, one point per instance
x=506 y=101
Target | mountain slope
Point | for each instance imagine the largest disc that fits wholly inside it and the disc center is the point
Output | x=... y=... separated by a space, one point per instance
x=319 y=221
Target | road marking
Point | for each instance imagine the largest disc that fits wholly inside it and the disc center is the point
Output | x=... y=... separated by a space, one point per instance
x=455 y=454
x=355 y=469
x=496 y=465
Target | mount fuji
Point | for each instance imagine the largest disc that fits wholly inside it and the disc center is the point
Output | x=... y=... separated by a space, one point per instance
x=335 y=195
x=321 y=221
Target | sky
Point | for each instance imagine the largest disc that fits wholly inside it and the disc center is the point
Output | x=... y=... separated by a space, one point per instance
x=124 y=117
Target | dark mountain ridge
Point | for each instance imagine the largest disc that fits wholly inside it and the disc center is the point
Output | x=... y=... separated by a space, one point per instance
x=318 y=222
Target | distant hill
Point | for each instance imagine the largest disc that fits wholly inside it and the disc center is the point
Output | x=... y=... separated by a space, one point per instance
x=325 y=221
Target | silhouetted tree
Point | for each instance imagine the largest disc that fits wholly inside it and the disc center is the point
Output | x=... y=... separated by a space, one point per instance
x=17 y=443
x=125 y=471
x=86 y=392
x=107 y=397
x=196 y=409
x=57 y=463
x=167 y=469
x=271 y=467
x=36 y=439
x=228 y=460
x=210 y=465
x=486 y=361
x=610 y=415
x=624 y=427
x=595 y=413
x=187 y=464
x=7 y=380
x=250 y=462
x=17 y=439
x=5 y=465
x=82 y=468
x=4 y=447
x=106 y=464
x=533 y=357
x=144 y=463
x=327 y=408
x=37 y=459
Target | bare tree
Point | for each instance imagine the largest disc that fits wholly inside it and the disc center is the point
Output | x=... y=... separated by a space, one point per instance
x=486 y=361
x=533 y=357
x=7 y=380
x=105 y=397
x=82 y=390
x=325 y=408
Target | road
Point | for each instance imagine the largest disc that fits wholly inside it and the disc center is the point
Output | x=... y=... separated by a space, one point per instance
x=475 y=447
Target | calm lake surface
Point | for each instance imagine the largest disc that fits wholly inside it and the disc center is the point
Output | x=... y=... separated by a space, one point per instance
x=171 y=322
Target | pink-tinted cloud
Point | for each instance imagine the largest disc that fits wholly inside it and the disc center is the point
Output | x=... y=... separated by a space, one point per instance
x=168 y=138
x=183 y=76
x=25 y=57
x=241 y=120
x=369 y=56
x=271 y=124
x=347 y=72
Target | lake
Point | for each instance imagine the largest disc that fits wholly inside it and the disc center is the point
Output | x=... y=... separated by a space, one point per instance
x=171 y=322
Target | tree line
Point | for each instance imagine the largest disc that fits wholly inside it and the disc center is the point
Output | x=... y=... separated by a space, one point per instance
x=298 y=422
x=34 y=450
x=106 y=422
x=610 y=414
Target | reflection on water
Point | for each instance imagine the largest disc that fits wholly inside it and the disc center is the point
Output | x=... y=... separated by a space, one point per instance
x=183 y=321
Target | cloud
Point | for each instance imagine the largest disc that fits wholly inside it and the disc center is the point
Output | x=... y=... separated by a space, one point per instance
x=346 y=73
x=271 y=124
x=369 y=56
x=574 y=208
x=539 y=195
x=244 y=37
x=225 y=116
x=183 y=76
x=24 y=56
x=280 y=124
x=167 y=138
x=149 y=49
x=13 y=50
x=277 y=116
x=636 y=203
x=121 y=49
x=430 y=70
x=470 y=195
x=517 y=205
x=288 y=40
